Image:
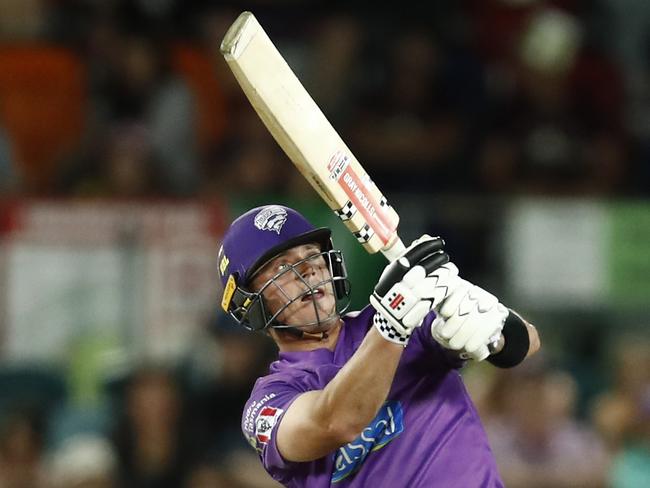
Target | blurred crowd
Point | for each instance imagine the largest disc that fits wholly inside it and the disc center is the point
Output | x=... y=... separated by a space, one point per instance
x=151 y=423
x=131 y=99
x=544 y=435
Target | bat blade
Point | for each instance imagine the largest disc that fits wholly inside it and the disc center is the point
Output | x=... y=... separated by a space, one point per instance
x=306 y=136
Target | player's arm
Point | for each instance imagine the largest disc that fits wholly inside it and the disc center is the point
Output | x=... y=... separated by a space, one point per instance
x=520 y=340
x=319 y=422
x=534 y=342
x=471 y=318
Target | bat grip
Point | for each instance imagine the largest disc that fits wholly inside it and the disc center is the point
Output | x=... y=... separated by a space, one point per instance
x=397 y=248
x=394 y=249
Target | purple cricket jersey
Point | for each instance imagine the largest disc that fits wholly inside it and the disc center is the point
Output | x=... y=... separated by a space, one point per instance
x=427 y=433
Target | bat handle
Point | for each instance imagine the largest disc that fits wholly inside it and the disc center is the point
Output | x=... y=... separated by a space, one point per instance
x=396 y=248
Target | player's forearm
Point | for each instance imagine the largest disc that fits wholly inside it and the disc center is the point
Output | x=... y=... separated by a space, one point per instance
x=351 y=400
x=520 y=340
x=533 y=337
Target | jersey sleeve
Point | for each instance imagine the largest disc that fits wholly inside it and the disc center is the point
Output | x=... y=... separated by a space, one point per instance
x=262 y=415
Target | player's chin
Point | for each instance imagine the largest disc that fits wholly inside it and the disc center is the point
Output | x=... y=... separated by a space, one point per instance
x=326 y=324
x=320 y=313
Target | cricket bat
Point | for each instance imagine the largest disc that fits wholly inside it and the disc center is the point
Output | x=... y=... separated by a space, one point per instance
x=306 y=136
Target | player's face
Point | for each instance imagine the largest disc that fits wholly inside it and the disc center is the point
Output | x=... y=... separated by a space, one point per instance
x=299 y=277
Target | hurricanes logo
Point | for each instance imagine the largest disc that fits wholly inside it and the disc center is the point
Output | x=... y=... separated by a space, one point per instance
x=271 y=218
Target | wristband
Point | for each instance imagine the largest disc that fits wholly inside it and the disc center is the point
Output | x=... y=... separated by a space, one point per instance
x=516 y=342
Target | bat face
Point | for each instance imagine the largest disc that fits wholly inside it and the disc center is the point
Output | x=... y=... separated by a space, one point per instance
x=363 y=198
x=307 y=137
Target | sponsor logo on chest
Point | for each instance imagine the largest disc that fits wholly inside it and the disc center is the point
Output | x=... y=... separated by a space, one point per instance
x=385 y=427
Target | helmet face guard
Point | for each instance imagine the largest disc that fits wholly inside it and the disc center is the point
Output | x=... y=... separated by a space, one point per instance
x=251 y=310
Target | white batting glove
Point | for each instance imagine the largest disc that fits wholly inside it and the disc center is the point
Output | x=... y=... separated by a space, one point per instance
x=438 y=280
x=469 y=320
x=409 y=287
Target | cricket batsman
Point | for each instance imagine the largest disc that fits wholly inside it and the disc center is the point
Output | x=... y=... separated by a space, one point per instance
x=372 y=398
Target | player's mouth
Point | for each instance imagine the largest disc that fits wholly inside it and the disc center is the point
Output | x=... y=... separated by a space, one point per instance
x=315 y=295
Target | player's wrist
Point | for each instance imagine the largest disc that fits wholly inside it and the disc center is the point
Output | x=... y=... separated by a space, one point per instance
x=516 y=342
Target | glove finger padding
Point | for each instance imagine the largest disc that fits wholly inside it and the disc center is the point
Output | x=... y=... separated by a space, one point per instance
x=437 y=324
x=416 y=314
x=396 y=270
x=437 y=284
x=435 y=261
x=459 y=290
x=452 y=326
x=484 y=335
x=473 y=323
x=472 y=319
x=422 y=247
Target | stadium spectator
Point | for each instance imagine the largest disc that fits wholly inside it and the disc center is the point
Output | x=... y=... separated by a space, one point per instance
x=22 y=433
x=154 y=448
x=536 y=438
x=135 y=91
x=631 y=466
x=559 y=130
x=83 y=461
x=417 y=114
x=615 y=411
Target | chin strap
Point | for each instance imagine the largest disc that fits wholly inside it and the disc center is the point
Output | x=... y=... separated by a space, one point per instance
x=301 y=334
x=298 y=333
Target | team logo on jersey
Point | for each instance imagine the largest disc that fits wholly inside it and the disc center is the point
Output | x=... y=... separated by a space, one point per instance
x=264 y=423
x=388 y=424
x=271 y=218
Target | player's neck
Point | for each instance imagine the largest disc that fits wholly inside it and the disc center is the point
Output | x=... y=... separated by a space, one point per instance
x=308 y=342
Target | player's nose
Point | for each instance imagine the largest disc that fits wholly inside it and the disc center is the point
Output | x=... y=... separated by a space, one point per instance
x=306 y=269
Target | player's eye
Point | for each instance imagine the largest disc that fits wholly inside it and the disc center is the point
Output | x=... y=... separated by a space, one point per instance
x=282 y=267
x=316 y=258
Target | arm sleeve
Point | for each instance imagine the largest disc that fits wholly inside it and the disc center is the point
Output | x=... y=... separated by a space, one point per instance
x=262 y=415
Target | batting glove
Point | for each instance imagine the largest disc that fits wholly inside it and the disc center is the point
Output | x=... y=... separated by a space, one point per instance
x=410 y=287
x=469 y=320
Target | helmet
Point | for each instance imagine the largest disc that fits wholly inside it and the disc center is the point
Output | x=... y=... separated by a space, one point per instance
x=254 y=239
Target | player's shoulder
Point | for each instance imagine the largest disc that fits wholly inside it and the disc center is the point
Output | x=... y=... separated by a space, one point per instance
x=270 y=397
x=274 y=382
x=357 y=324
x=362 y=316
x=286 y=382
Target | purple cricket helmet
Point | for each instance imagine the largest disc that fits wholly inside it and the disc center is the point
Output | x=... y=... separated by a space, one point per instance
x=255 y=238
x=261 y=234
